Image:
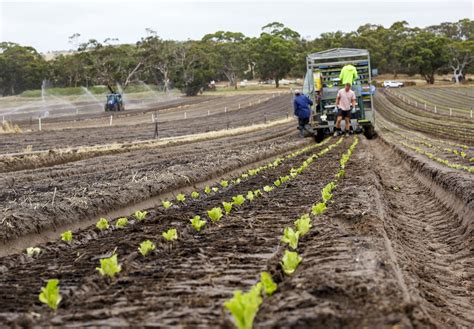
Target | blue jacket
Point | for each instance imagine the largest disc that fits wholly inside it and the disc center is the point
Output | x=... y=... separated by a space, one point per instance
x=301 y=106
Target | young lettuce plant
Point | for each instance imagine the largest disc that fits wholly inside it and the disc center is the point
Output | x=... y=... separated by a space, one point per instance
x=197 y=223
x=170 y=235
x=195 y=195
x=284 y=179
x=109 y=266
x=227 y=207
x=257 y=193
x=215 y=214
x=238 y=200
x=66 y=236
x=140 y=215
x=166 y=204
x=290 y=237
x=269 y=286
x=224 y=183
x=50 y=295
x=267 y=188
x=318 y=209
x=122 y=222
x=244 y=176
x=181 y=197
x=145 y=247
x=244 y=307
x=250 y=196
x=303 y=224
x=290 y=262
x=215 y=189
x=102 y=224
x=207 y=190
x=277 y=183
x=33 y=251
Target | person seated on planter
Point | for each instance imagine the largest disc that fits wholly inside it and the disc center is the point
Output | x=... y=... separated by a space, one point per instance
x=301 y=105
x=345 y=102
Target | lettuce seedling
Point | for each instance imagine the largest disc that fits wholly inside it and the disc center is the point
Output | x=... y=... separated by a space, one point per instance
x=245 y=176
x=33 y=251
x=215 y=214
x=66 y=236
x=238 y=200
x=267 y=188
x=250 y=196
x=170 y=235
x=166 y=204
x=269 y=286
x=227 y=207
x=236 y=181
x=257 y=193
x=50 y=295
x=215 y=189
x=194 y=195
x=277 y=182
x=244 y=307
x=224 y=183
x=140 y=215
x=109 y=266
x=303 y=224
x=181 y=197
x=290 y=261
x=318 y=209
x=340 y=174
x=291 y=237
x=145 y=247
x=122 y=222
x=197 y=223
x=284 y=179
x=207 y=190
x=102 y=224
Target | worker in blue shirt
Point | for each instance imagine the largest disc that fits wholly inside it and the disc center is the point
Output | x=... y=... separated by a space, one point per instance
x=301 y=105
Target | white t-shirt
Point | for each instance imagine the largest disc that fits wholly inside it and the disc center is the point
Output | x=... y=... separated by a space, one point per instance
x=345 y=99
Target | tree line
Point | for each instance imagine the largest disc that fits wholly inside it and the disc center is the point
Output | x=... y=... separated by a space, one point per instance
x=276 y=53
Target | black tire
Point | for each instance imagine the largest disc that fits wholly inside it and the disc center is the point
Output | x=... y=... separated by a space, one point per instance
x=319 y=135
x=116 y=108
x=369 y=132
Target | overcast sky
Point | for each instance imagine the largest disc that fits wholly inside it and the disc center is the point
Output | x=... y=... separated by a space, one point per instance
x=46 y=25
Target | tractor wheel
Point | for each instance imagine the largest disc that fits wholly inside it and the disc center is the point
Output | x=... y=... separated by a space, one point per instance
x=369 y=132
x=319 y=135
x=116 y=108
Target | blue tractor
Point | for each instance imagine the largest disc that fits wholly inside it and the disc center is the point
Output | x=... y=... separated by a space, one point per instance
x=114 y=101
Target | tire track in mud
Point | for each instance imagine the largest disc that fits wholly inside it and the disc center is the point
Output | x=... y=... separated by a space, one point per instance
x=432 y=244
x=82 y=193
x=183 y=286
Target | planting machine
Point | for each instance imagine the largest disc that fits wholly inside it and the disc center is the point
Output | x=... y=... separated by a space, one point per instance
x=322 y=84
x=114 y=101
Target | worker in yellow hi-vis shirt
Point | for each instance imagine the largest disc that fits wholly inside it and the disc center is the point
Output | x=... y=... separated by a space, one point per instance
x=348 y=74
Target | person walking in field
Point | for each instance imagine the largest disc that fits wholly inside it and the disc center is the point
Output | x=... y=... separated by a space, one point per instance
x=301 y=105
x=345 y=102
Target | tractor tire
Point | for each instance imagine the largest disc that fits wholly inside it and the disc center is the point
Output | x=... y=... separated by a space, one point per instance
x=116 y=108
x=319 y=135
x=369 y=132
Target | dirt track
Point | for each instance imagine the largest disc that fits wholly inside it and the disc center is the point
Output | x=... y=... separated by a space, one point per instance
x=393 y=250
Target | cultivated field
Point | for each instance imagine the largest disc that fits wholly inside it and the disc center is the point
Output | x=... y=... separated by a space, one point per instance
x=385 y=226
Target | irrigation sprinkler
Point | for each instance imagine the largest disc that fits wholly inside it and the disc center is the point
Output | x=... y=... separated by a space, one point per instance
x=471 y=114
x=208 y=112
x=39 y=123
x=225 y=109
x=156 y=130
x=239 y=106
x=435 y=109
x=185 y=115
x=425 y=106
x=450 y=111
x=111 y=118
x=3 y=119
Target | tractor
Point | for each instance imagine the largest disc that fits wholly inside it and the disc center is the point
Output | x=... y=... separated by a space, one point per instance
x=322 y=83
x=114 y=101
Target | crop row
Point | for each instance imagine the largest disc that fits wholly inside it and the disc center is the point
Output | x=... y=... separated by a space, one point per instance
x=110 y=266
x=461 y=152
x=244 y=306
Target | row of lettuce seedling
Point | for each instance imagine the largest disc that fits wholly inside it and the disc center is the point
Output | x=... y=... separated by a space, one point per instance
x=244 y=306
x=50 y=294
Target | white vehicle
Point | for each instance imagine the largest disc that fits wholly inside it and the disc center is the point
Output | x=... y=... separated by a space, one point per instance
x=392 y=84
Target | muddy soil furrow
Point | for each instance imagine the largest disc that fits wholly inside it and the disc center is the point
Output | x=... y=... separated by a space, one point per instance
x=346 y=278
x=160 y=290
x=434 y=244
x=275 y=108
x=123 y=179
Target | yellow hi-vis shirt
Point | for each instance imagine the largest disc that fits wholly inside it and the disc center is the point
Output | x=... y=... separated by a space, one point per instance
x=348 y=74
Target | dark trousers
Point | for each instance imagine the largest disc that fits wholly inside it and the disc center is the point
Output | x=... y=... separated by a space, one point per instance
x=302 y=123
